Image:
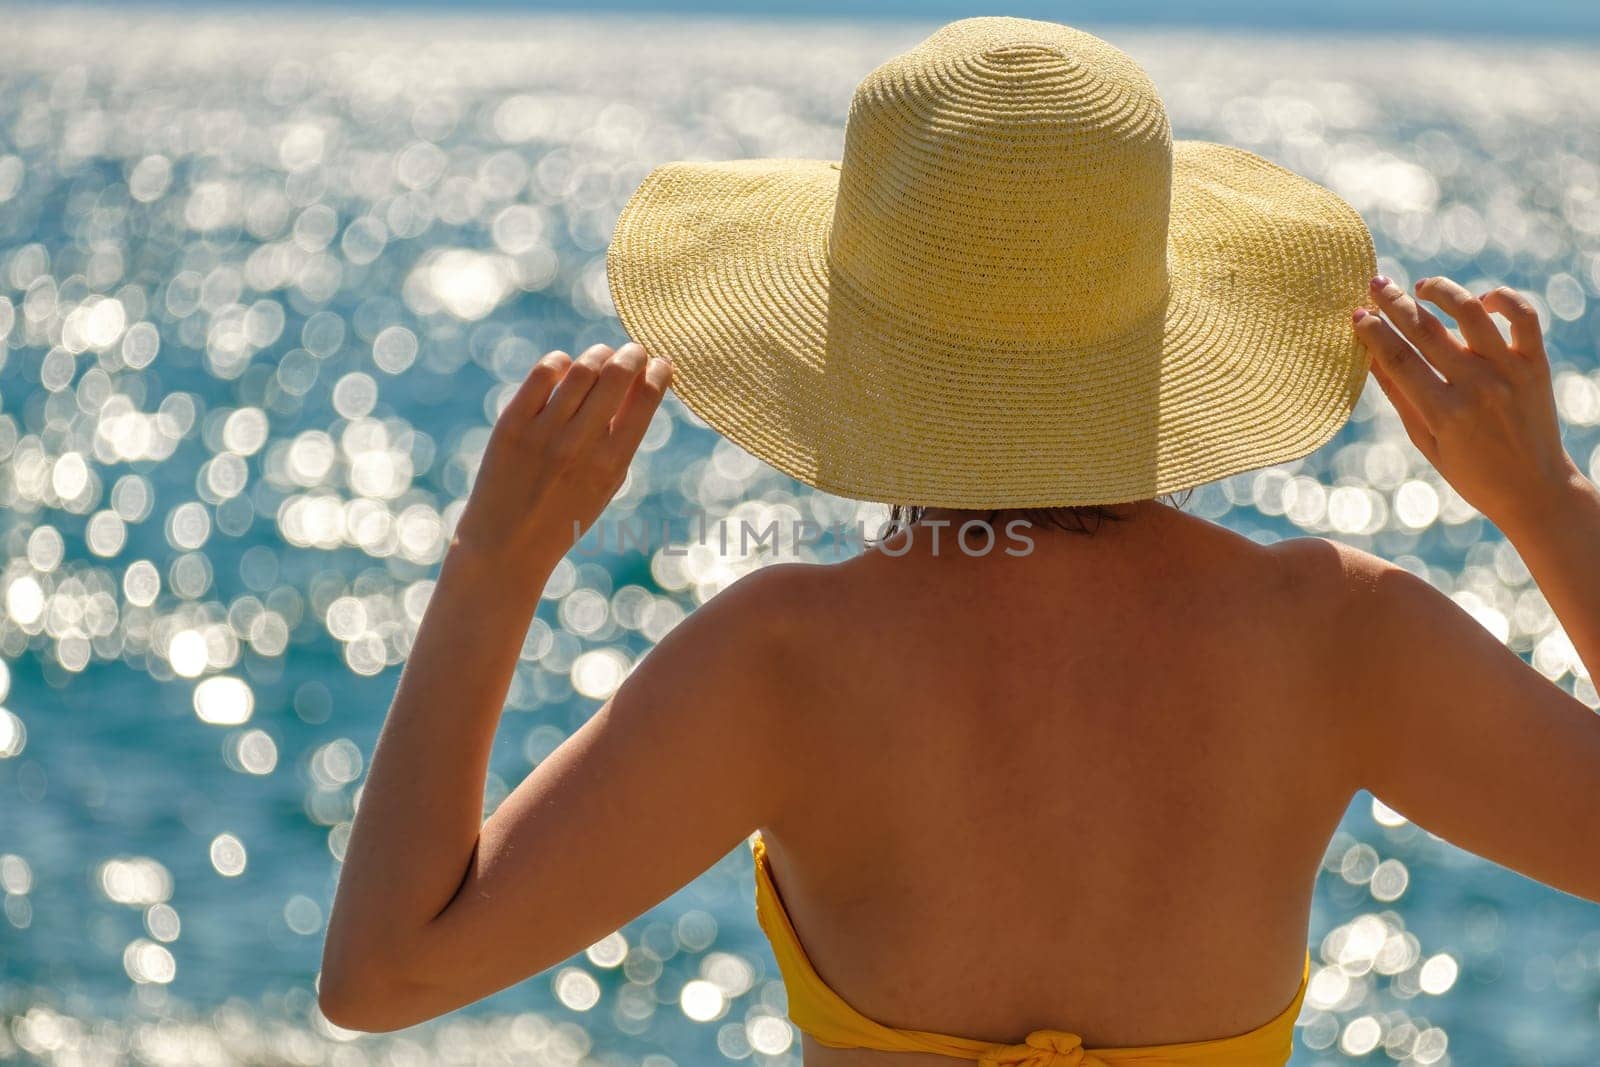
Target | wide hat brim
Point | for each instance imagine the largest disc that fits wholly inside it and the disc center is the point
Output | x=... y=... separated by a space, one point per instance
x=723 y=268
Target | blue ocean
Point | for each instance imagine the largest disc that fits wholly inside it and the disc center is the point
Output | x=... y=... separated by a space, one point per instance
x=266 y=277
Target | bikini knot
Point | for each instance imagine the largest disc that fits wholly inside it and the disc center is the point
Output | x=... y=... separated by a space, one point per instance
x=1043 y=1048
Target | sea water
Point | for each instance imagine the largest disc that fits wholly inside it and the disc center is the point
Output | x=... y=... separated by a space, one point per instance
x=265 y=280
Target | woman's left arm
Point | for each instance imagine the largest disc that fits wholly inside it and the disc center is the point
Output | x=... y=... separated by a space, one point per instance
x=436 y=908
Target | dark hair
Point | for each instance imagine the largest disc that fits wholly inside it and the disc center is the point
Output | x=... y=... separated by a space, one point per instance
x=1081 y=519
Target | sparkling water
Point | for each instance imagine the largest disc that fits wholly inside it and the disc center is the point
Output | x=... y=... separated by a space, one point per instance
x=266 y=279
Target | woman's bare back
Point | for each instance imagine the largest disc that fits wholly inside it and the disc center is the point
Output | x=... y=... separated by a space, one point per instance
x=1088 y=788
x=1084 y=789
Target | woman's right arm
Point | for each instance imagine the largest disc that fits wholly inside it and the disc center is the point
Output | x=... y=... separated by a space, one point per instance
x=1450 y=727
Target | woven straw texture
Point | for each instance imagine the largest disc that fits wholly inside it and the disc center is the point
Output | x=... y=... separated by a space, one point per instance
x=1015 y=289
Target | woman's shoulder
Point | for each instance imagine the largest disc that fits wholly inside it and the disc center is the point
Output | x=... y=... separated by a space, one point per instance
x=794 y=621
x=777 y=589
x=770 y=613
x=1321 y=565
x=1359 y=617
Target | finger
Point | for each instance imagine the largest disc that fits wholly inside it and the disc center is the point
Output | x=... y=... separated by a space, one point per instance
x=616 y=378
x=1416 y=426
x=633 y=418
x=1418 y=325
x=579 y=379
x=1401 y=364
x=535 y=390
x=1477 y=328
x=1518 y=311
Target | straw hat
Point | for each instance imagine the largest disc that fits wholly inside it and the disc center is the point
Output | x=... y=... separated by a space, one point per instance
x=1015 y=290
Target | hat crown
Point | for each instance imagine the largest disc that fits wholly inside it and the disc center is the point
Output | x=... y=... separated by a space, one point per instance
x=1009 y=180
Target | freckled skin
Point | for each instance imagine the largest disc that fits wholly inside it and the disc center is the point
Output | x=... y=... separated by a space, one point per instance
x=1087 y=788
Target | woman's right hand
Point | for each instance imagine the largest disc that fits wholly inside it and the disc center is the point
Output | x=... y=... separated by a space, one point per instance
x=1448 y=724
x=1479 y=408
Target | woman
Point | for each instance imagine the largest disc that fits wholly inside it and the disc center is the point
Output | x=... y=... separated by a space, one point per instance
x=1054 y=806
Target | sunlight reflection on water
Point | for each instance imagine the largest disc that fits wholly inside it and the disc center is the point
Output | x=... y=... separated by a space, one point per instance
x=265 y=282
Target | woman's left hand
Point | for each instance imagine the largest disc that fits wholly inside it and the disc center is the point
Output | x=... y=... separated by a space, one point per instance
x=561 y=450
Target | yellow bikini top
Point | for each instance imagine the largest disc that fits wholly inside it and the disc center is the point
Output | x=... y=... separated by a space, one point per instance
x=823 y=1014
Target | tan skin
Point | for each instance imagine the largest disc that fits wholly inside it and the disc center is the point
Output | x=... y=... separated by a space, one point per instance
x=1084 y=789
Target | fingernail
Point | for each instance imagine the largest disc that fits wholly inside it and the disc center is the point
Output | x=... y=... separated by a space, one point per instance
x=1418 y=283
x=1381 y=281
x=1358 y=314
